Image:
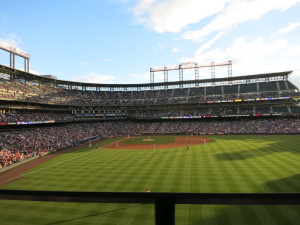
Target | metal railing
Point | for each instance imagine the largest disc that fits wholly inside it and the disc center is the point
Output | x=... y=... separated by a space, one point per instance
x=164 y=202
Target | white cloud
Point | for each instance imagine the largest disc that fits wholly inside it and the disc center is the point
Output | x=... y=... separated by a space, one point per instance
x=250 y=57
x=83 y=63
x=34 y=71
x=295 y=78
x=212 y=20
x=158 y=77
x=237 y=12
x=174 y=15
x=243 y=50
x=137 y=78
x=108 y=60
x=122 y=1
x=293 y=50
x=95 y=78
x=187 y=59
x=12 y=41
x=145 y=77
x=160 y=46
x=176 y=49
x=287 y=29
x=208 y=44
x=142 y=6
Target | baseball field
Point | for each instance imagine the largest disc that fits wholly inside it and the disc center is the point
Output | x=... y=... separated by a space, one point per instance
x=213 y=164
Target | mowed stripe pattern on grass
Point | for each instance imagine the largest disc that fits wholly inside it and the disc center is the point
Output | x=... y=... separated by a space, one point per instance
x=230 y=164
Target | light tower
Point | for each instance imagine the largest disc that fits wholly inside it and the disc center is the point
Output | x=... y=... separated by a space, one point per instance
x=190 y=65
x=13 y=52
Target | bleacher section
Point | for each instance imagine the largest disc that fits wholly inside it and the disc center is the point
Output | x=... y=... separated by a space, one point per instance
x=18 y=90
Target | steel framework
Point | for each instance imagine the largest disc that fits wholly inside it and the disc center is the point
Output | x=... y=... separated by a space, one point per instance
x=13 y=52
x=12 y=74
x=190 y=65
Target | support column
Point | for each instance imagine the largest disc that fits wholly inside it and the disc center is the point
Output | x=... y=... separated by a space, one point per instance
x=196 y=76
x=180 y=75
x=230 y=71
x=166 y=77
x=164 y=212
x=229 y=68
x=12 y=60
x=213 y=70
x=151 y=79
x=165 y=74
x=213 y=73
x=28 y=65
x=151 y=76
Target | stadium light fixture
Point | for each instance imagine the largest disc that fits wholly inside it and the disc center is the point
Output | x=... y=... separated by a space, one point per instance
x=15 y=51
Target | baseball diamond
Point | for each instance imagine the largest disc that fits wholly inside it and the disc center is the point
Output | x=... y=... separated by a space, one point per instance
x=144 y=144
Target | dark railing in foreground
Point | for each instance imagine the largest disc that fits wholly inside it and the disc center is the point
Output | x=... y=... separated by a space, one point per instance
x=164 y=202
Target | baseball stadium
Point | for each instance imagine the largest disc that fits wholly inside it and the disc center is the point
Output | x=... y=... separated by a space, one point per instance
x=202 y=151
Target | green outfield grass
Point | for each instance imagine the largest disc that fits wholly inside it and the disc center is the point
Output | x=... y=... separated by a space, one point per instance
x=150 y=140
x=230 y=164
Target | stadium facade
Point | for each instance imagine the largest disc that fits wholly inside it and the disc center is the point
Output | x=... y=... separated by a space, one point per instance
x=260 y=95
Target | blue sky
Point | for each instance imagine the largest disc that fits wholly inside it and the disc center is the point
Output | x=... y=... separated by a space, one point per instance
x=118 y=41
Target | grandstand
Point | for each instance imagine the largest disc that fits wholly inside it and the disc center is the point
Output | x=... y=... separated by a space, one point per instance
x=254 y=95
x=42 y=114
x=261 y=103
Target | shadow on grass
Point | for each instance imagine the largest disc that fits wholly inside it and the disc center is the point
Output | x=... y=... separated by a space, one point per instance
x=247 y=154
x=95 y=214
x=290 y=184
x=250 y=215
x=264 y=214
x=282 y=144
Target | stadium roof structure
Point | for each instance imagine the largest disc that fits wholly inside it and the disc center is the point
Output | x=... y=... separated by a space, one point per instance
x=12 y=73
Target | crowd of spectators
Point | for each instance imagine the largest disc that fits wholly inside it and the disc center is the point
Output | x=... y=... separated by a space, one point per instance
x=201 y=112
x=222 y=111
x=21 y=90
x=44 y=93
x=187 y=113
x=36 y=116
x=242 y=126
x=247 y=126
x=19 y=145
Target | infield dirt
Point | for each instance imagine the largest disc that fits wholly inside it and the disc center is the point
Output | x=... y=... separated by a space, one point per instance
x=180 y=142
